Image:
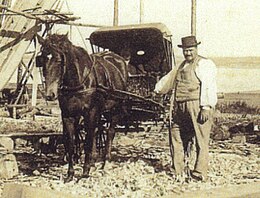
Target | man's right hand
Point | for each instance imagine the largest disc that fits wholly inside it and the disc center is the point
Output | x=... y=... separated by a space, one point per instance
x=203 y=116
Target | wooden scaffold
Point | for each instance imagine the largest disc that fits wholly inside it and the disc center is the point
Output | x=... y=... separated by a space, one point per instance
x=20 y=24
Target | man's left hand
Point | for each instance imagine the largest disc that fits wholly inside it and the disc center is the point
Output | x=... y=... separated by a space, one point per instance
x=203 y=116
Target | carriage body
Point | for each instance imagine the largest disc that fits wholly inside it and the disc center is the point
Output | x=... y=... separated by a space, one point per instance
x=150 y=49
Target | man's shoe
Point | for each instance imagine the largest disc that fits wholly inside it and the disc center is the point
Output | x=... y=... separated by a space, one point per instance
x=198 y=176
x=179 y=178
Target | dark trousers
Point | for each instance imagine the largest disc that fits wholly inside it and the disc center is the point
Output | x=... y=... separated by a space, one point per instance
x=185 y=127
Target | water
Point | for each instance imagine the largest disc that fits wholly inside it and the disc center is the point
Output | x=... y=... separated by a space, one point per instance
x=238 y=79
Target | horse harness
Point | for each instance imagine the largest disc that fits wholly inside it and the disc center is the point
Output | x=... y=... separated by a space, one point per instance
x=82 y=89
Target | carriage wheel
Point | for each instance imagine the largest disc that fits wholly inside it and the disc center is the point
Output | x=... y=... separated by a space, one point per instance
x=79 y=140
x=101 y=136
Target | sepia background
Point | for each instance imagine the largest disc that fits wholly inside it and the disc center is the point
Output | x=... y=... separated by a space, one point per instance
x=228 y=30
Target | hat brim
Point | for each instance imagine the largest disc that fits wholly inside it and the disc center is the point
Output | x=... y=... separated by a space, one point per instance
x=183 y=46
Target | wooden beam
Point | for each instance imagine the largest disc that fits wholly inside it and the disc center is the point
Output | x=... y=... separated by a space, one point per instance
x=32 y=9
x=6 y=3
x=20 y=13
x=34 y=86
x=115 y=23
x=193 y=17
x=79 y=24
x=61 y=16
x=37 y=13
x=141 y=20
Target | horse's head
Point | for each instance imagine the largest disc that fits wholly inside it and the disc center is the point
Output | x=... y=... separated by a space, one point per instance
x=52 y=61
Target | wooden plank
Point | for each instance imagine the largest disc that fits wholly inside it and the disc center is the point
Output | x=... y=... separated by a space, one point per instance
x=31 y=134
x=12 y=49
x=29 y=16
x=8 y=54
x=80 y=24
x=38 y=13
x=13 y=190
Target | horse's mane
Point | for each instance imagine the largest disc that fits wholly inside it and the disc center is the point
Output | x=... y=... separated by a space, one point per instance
x=78 y=58
x=62 y=43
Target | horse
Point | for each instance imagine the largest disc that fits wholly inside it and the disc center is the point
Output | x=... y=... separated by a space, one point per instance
x=83 y=84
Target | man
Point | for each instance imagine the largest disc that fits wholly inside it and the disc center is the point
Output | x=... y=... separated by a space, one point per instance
x=194 y=89
x=132 y=70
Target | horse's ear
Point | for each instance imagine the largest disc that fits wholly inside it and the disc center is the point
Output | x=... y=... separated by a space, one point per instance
x=40 y=39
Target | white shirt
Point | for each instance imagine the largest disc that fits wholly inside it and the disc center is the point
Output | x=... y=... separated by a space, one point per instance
x=206 y=72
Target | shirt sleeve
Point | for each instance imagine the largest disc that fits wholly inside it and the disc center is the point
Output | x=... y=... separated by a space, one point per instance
x=206 y=72
x=166 y=83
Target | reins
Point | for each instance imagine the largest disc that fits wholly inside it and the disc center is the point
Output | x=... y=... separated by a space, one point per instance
x=81 y=88
x=67 y=89
x=63 y=88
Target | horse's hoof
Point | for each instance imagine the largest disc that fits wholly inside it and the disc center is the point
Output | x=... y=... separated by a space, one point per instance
x=85 y=175
x=107 y=157
x=68 y=179
x=103 y=165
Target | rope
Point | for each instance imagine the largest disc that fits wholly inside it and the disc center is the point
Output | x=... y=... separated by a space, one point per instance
x=81 y=36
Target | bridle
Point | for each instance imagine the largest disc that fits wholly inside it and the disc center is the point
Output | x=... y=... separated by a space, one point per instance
x=81 y=88
x=64 y=89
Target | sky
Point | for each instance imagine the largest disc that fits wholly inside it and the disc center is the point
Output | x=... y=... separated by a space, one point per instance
x=225 y=27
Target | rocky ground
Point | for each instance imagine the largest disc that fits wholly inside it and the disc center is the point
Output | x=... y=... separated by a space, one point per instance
x=141 y=166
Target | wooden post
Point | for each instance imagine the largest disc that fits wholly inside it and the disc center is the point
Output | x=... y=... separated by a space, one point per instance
x=34 y=86
x=193 y=17
x=141 y=20
x=115 y=23
x=4 y=3
x=19 y=76
x=70 y=32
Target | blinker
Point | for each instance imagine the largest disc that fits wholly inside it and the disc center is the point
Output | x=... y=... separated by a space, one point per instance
x=41 y=60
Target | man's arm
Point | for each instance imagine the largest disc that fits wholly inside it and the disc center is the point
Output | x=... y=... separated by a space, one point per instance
x=207 y=72
x=166 y=83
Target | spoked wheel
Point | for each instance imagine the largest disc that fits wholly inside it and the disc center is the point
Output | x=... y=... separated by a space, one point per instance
x=80 y=137
x=101 y=136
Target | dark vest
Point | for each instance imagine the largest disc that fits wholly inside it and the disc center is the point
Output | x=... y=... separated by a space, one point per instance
x=187 y=83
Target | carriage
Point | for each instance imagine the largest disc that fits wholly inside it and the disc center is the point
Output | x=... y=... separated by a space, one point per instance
x=113 y=87
x=149 y=47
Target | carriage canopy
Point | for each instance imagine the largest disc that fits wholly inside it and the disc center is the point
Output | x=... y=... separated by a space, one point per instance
x=145 y=41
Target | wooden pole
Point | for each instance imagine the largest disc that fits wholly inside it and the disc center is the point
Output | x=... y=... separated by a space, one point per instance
x=6 y=3
x=35 y=86
x=193 y=17
x=37 y=13
x=115 y=23
x=141 y=20
x=19 y=76
x=79 y=24
x=19 y=12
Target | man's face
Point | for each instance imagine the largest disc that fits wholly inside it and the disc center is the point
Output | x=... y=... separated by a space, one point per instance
x=190 y=53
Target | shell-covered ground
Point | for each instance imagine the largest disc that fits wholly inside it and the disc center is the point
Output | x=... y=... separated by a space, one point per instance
x=140 y=167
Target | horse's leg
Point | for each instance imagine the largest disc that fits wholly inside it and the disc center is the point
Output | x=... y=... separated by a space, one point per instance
x=78 y=139
x=110 y=137
x=90 y=141
x=69 y=131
